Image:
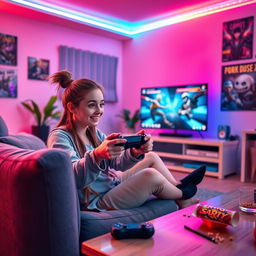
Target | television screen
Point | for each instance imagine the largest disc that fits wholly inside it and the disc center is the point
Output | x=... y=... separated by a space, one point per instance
x=175 y=107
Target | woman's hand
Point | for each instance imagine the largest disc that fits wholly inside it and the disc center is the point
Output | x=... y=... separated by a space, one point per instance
x=108 y=149
x=145 y=148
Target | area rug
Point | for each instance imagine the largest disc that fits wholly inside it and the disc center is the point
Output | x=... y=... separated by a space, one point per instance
x=205 y=194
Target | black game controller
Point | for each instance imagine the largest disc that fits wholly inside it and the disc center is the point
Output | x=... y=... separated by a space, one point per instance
x=132 y=230
x=133 y=141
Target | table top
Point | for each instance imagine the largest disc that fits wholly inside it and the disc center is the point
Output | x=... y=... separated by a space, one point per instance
x=171 y=238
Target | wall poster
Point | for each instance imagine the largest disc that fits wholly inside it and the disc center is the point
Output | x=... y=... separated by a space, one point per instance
x=38 y=69
x=8 y=49
x=8 y=83
x=237 y=41
x=239 y=87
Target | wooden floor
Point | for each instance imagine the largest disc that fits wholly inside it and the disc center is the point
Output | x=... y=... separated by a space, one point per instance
x=228 y=184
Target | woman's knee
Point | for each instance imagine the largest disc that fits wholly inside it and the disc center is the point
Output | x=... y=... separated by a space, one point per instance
x=152 y=157
x=151 y=175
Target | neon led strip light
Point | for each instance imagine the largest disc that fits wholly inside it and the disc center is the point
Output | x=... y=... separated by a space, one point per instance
x=131 y=28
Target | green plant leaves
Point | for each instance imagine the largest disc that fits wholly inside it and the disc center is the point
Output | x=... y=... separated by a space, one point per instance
x=49 y=108
x=37 y=112
x=27 y=106
x=136 y=116
x=130 y=121
x=48 y=111
x=34 y=109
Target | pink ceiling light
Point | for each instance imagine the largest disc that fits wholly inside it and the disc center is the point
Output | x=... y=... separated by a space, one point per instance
x=129 y=28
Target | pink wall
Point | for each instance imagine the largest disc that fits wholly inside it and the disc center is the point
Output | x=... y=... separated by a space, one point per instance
x=41 y=40
x=185 y=53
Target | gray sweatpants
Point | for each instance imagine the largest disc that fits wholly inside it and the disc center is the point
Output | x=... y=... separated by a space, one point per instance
x=135 y=188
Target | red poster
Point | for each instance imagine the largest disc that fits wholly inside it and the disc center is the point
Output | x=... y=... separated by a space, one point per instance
x=237 y=39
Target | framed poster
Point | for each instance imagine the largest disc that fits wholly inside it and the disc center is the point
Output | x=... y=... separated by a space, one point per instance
x=8 y=83
x=239 y=87
x=237 y=41
x=38 y=69
x=8 y=49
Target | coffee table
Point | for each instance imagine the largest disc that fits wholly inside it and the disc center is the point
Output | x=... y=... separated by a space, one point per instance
x=171 y=238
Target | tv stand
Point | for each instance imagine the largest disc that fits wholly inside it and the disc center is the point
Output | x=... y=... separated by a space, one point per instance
x=187 y=154
x=167 y=134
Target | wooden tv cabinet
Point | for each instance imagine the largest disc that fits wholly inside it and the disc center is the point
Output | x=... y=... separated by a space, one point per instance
x=180 y=154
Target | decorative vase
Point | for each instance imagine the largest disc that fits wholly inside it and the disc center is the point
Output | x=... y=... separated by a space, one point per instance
x=41 y=132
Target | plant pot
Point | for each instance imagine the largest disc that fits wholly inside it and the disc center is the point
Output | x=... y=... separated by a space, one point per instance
x=130 y=131
x=41 y=132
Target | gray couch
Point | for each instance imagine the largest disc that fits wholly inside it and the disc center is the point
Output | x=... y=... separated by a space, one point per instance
x=39 y=212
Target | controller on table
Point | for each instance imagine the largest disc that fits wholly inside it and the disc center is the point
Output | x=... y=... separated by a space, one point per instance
x=133 y=141
x=132 y=230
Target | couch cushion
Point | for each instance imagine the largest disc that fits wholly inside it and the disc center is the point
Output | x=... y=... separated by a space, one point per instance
x=3 y=128
x=39 y=214
x=97 y=223
x=24 y=140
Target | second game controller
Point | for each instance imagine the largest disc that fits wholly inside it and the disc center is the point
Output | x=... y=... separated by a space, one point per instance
x=133 y=141
x=132 y=230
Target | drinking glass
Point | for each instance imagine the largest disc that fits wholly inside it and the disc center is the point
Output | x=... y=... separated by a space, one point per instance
x=247 y=199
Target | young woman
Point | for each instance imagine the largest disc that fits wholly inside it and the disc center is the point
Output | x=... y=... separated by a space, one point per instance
x=108 y=176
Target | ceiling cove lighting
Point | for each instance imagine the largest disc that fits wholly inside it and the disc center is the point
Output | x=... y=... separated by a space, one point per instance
x=129 y=28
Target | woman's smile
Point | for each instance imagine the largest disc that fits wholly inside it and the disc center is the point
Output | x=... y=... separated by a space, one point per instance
x=95 y=118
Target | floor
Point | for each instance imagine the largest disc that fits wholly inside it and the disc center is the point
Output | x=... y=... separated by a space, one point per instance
x=228 y=184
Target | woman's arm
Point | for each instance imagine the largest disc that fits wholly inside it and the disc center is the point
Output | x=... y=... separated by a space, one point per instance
x=121 y=159
x=133 y=155
x=86 y=169
x=125 y=161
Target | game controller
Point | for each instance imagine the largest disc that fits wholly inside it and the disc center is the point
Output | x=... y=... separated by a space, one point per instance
x=133 y=141
x=132 y=230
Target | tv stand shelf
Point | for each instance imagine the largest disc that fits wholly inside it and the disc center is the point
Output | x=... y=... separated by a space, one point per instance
x=185 y=154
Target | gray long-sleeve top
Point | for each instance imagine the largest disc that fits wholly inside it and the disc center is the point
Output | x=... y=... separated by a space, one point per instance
x=87 y=172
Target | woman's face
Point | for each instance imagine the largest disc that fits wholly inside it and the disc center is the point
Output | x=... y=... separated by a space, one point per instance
x=90 y=109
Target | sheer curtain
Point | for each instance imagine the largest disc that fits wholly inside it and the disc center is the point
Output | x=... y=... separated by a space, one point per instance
x=95 y=66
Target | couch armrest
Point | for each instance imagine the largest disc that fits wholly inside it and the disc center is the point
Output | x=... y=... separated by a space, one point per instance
x=39 y=214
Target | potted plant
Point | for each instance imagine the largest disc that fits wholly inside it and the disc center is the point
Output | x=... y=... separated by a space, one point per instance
x=41 y=129
x=130 y=121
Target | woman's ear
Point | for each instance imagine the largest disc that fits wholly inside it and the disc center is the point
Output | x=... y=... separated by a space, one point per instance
x=70 y=107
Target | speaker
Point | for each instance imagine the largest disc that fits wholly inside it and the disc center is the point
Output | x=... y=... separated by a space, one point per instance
x=223 y=132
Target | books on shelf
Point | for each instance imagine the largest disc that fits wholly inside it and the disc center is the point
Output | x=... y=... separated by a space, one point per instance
x=203 y=153
x=209 y=167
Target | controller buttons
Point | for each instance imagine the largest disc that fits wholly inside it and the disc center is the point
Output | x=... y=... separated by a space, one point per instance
x=143 y=225
x=146 y=225
x=118 y=225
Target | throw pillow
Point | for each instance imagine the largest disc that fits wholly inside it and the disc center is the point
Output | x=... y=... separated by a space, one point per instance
x=24 y=140
x=3 y=128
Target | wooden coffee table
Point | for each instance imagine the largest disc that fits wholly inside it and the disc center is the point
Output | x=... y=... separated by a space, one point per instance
x=171 y=238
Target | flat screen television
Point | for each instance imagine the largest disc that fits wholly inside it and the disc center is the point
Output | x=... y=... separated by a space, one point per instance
x=175 y=107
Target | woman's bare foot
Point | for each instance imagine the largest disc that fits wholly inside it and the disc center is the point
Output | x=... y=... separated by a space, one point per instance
x=185 y=203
